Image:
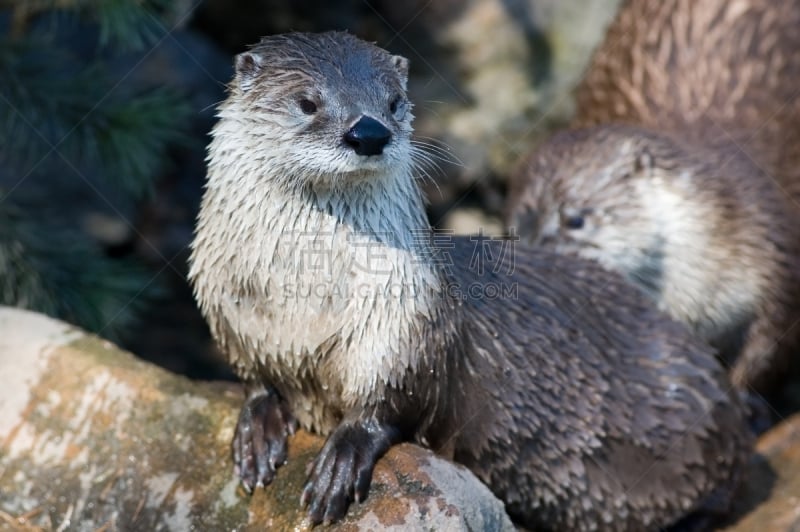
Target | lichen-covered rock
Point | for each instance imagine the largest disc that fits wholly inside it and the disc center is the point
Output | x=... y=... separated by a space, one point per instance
x=92 y=438
x=412 y=489
x=770 y=500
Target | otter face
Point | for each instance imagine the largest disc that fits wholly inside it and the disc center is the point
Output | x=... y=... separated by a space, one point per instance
x=329 y=107
x=591 y=193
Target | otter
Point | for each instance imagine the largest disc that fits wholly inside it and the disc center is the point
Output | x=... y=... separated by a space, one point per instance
x=560 y=386
x=680 y=170
x=710 y=70
x=701 y=229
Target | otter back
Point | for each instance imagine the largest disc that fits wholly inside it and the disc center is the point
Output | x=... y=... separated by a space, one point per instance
x=710 y=69
x=696 y=200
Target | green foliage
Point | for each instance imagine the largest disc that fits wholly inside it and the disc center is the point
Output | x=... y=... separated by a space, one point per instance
x=65 y=120
x=50 y=267
x=126 y=24
x=132 y=136
x=54 y=103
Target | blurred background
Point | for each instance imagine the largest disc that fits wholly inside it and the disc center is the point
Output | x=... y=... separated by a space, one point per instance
x=105 y=108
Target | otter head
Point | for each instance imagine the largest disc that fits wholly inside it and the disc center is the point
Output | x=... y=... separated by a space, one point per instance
x=603 y=193
x=323 y=108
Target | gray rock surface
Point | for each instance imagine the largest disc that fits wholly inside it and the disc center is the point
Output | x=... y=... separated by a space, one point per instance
x=770 y=499
x=93 y=439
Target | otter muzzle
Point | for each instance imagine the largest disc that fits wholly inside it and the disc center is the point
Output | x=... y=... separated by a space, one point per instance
x=368 y=136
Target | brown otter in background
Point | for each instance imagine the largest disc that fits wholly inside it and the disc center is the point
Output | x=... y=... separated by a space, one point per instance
x=714 y=69
x=690 y=201
x=701 y=229
x=553 y=380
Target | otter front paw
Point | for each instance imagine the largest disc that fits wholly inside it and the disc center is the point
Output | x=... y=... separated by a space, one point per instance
x=259 y=443
x=342 y=471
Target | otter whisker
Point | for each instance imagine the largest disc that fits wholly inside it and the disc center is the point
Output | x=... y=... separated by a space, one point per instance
x=424 y=163
x=442 y=150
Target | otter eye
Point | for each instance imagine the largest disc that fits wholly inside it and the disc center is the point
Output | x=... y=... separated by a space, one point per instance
x=395 y=105
x=574 y=222
x=307 y=106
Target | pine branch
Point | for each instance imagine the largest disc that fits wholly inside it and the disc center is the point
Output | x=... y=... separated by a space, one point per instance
x=125 y=25
x=49 y=267
x=133 y=136
x=49 y=100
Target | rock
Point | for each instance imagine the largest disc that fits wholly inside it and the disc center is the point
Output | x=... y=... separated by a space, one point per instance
x=770 y=498
x=471 y=221
x=92 y=438
x=411 y=489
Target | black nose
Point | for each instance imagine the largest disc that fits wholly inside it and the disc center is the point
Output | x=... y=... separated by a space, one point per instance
x=368 y=136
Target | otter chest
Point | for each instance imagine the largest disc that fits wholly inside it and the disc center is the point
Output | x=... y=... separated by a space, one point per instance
x=322 y=297
x=327 y=315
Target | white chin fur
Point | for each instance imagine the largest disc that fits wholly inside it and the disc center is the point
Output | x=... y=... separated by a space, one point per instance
x=345 y=163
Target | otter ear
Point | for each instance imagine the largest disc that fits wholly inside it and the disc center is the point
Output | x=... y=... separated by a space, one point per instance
x=644 y=161
x=401 y=64
x=248 y=66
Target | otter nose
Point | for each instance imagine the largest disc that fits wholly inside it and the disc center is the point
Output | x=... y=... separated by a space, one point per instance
x=368 y=136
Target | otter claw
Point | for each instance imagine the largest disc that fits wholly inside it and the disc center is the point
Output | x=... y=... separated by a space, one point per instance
x=259 y=442
x=342 y=471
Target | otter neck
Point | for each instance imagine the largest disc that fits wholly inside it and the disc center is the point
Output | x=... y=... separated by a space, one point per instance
x=386 y=208
x=686 y=240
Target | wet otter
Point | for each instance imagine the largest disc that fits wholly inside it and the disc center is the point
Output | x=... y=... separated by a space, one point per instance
x=708 y=70
x=553 y=380
x=693 y=199
x=702 y=230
